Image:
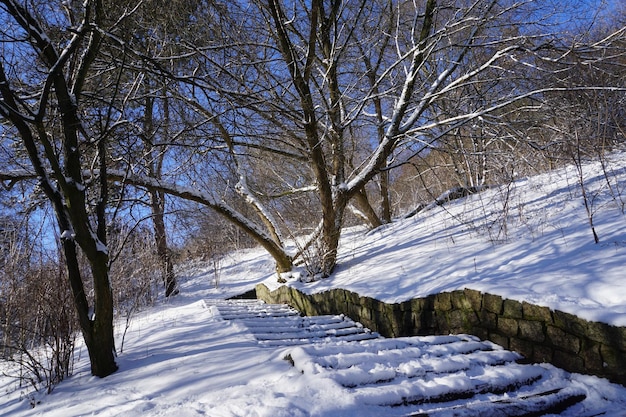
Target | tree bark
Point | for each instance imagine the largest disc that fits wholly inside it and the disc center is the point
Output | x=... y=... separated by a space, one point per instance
x=157 y=199
x=363 y=204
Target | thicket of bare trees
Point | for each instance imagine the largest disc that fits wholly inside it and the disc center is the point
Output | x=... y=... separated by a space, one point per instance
x=288 y=120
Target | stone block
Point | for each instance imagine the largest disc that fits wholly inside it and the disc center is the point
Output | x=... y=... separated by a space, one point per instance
x=608 y=335
x=379 y=306
x=396 y=319
x=365 y=313
x=613 y=358
x=460 y=301
x=512 y=309
x=365 y=302
x=472 y=318
x=416 y=318
x=429 y=302
x=507 y=326
x=317 y=298
x=499 y=339
x=533 y=312
x=542 y=354
x=417 y=304
x=458 y=321
x=480 y=332
x=492 y=303
x=261 y=291
x=442 y=322
x=427 y=319
x=590 y=353
x=563 y=340
x=568 y=361
x=531 y=330
x=475 y=298
x=354 y=310
x=521 y=346
x=405 y=306
x=407 y=324
x=370 y=324
x=425 y=325
x=382 y=325
x=488 y=320
x=570 y=323
x=339 y=302
x=443 y=302
x=352 y=297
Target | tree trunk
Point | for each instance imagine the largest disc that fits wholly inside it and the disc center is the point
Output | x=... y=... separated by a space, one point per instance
x=157 y=199
x=331 y=233
x=102 y=351
x=363 y=204
x=385 y=202
x=96 y=327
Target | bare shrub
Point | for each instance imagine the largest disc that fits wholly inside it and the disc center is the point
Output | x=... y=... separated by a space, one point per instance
x=135 y=272
x=37 y=322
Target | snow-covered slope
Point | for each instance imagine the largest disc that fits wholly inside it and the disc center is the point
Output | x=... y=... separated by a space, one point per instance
x=529 y=240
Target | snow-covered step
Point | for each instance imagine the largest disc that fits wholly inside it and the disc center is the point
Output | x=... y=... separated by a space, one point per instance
x=254 y=315
x=442 y=354
x=275 y=325
x=281 y=325
x=373 y=372
x=306 y=333
x=439 y=376
x=552 y=402
x=449 y=387
x=355 y=337
x=253 y=309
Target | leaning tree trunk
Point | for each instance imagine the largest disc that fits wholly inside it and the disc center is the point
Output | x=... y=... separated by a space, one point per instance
x=362 y=203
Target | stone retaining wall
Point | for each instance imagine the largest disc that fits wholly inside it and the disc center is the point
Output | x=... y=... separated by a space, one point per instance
x=538 y=333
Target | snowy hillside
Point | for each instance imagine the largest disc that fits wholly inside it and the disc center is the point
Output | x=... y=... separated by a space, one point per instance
x=530 y=240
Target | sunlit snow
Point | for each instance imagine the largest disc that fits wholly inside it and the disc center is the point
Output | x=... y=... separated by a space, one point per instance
x=181 y=358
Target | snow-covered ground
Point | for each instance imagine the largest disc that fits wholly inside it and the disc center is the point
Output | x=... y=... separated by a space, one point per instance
x=180 y=358
x=529 y=241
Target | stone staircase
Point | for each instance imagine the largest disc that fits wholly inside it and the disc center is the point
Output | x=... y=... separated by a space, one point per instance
x=440 y=376
x=457 y=375
x=281 y=325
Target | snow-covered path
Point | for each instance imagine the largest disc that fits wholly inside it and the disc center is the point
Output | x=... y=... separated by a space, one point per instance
x=457 y=375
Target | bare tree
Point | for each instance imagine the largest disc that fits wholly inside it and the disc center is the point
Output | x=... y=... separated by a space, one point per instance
x=344 y=92
x=42 y=74
x=318 y=89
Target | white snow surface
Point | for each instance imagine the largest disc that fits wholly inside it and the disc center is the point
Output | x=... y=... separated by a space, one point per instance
x=528 y=241
x=180 y=358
